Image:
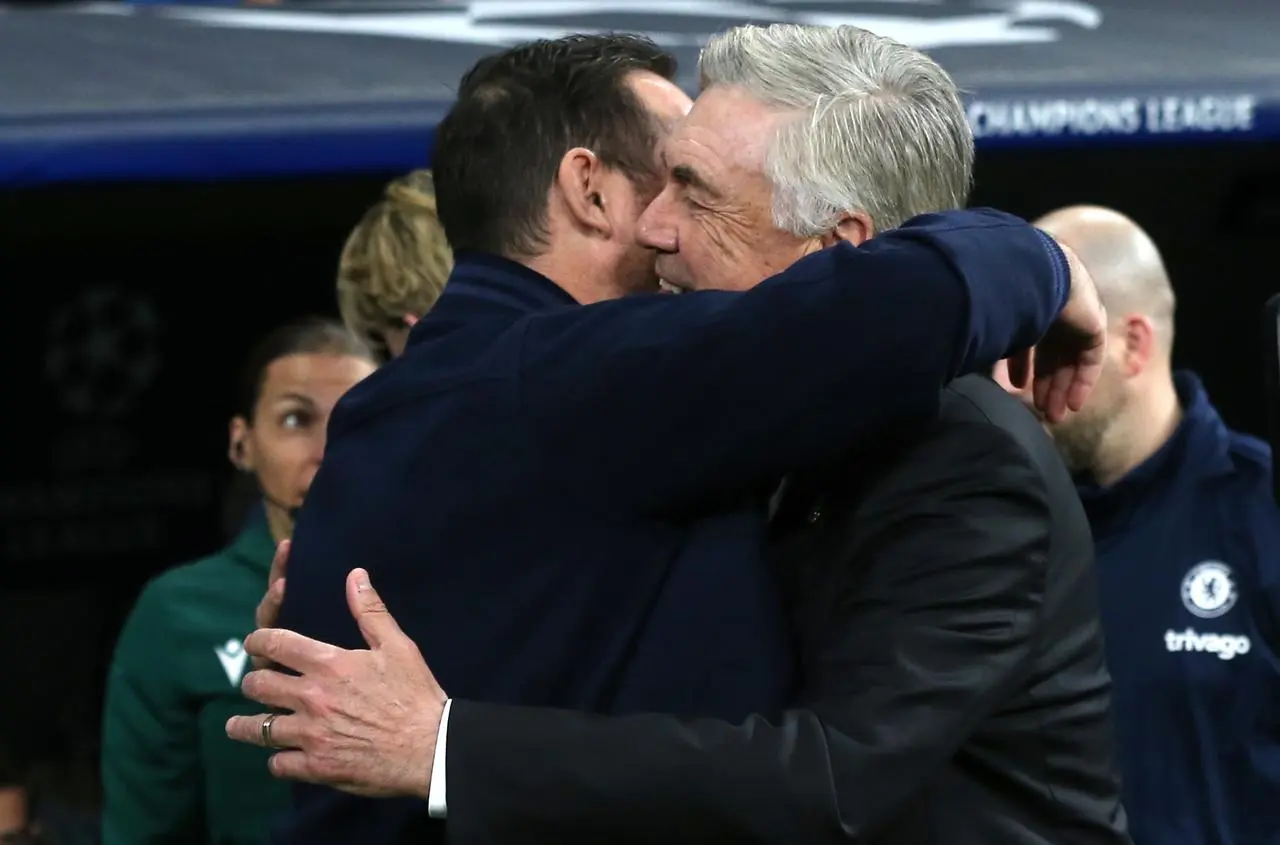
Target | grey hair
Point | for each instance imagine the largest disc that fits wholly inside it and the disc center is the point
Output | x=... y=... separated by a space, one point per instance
x=879 y=127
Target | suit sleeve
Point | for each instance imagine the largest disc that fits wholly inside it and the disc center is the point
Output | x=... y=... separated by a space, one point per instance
x=948 y=592
x=152 y=786
x=664 y=400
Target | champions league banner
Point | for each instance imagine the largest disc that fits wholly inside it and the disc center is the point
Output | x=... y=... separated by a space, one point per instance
x=118 y=91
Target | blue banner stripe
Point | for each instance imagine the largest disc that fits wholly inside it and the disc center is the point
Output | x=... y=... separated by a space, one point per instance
x=398 y=137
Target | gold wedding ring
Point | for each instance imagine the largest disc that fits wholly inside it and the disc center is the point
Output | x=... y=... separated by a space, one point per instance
x=266 y=731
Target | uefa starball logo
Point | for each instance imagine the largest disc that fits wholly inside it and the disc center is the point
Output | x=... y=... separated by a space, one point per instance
x=103 y=351
x=925 y=24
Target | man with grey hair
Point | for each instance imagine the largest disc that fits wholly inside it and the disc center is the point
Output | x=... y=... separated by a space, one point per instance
x=953 y=686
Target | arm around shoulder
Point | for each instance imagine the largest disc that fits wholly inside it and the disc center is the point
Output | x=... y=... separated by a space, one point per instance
x=670 y=399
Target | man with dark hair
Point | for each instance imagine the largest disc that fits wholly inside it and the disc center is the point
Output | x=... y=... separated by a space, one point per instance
x=605 y=94
x=565 y=505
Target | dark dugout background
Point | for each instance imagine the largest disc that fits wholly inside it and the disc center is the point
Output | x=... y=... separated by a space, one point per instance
x=130 y=307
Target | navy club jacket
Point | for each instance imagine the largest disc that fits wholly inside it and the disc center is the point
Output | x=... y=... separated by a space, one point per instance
x=564 y=505
x=1188 y=553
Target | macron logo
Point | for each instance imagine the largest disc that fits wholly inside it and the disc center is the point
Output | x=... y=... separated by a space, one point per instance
x=1226 y=646
x=232 y=656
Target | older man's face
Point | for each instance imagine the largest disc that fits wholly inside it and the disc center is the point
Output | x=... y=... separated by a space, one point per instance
x=712 y=224
x=667 y=105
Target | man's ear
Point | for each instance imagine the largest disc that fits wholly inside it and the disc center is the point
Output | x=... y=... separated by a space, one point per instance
x=580 y=180
x=1139 y=344
x=853 y=227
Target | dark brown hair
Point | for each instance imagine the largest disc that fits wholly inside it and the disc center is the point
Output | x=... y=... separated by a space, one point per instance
x=518 y=112
x=307 y=336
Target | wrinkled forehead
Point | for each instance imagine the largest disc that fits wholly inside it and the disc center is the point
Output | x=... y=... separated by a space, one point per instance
x=727 y=129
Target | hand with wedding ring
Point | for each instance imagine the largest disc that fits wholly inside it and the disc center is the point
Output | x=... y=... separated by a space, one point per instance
x=363 y=721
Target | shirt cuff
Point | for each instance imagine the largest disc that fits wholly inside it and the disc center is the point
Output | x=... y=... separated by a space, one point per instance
x=437 y=807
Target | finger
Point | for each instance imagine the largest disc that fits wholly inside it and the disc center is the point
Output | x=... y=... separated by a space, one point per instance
x=279 y=561
x=376 y=624
x=1086 y=379
x=1048 y=397
x=1090 y=370
x=287 y=648
x=268 y=612
x=286 y=730
x=247 y=729
x=1056 y=396
x=294 y=765
x=1080 y=390
x=1040 y=391
x=1019 y=368
x=274 y=689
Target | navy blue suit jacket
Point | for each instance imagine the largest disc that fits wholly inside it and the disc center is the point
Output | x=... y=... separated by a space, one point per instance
x=564 y=505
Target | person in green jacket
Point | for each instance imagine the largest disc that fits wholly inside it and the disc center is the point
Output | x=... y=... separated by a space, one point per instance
x=170 y=775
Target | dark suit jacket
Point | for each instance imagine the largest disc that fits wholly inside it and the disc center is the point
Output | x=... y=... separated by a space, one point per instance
x=550 y=496
x=955 y=691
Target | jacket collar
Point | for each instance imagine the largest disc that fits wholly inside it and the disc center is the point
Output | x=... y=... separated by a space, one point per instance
x=483 y=285
x=254 y=545
x=1199 y=448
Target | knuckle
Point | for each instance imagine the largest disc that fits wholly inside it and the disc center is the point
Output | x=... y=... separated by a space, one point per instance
x=313 y=737
x=328 y=661
x=310 y=693
x=317 y=701
x=278 y=766
x=324 y=768
x=265 y=643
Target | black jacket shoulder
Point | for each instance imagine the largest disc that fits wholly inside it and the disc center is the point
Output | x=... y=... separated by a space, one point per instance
x=979 y=399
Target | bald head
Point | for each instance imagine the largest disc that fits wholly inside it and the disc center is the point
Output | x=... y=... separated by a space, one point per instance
x=1123 y=260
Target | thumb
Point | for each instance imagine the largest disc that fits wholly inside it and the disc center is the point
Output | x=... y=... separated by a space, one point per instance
x=369 y=611
x=279 y=561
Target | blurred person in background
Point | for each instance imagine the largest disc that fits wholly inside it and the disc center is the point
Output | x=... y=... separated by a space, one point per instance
x=169 y=775
x=392 y=270
x=394 y=264
x=1188 y=538
x=17 y=826
x=29 y=814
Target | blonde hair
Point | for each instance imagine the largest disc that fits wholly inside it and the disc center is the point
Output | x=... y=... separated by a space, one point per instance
x=396 y=260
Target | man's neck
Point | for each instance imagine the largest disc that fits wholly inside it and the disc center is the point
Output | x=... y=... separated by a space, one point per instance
x=1147 y=426
x=580 y=279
